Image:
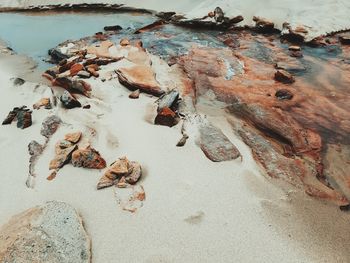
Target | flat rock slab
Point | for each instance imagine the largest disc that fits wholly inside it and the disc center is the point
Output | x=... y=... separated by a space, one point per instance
x=51 y=233
x=215 y=145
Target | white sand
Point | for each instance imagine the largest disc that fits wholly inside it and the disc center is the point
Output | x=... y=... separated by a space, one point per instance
x=195 y=210
x=318 y=16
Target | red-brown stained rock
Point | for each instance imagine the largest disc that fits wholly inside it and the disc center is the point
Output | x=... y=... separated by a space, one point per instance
x=88 y=158
x=284 y=77
x=166 y=117
x=75 y=69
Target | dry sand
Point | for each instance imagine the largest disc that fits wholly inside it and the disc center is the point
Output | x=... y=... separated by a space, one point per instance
x=318 y=16
x=195 y=210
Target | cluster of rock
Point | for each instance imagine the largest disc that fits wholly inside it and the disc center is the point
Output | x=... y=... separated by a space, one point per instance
x=22 y=115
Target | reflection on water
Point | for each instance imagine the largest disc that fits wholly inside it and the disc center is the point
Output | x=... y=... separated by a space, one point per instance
x=33 y=34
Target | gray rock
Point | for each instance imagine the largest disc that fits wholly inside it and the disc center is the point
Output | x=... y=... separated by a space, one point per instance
x=50 y=126
x=68 y=101
x=18 y=81
x=52 y=233
x=215 y=145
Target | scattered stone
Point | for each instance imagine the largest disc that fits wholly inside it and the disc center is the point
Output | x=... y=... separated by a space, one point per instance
x=168 y=100
x=292 y=67
x=50 y=126
x=68 y=101
x=119 y=168
x=284 y=77
x=284 y=94
x=124 y=42
x=263 y=24
x=88 y=158
x=52 y=176
x=73 y=137
x=345 y=39
x=166 y=117
x=44 y=102
x=140 y=77
x=182 y=141
x=18 y=81
x=135 y=94
x=84 y=74
x=63 y=156
x=50 y=233
x=215 y=145
x=112 y=28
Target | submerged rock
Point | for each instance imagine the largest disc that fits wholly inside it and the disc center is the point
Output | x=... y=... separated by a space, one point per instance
x=215 y=145
x=52 y=233
x=50 y=126
x=69 y=101
x=88 y=158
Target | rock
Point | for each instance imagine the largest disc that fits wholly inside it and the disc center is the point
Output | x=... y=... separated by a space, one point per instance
x=293 y=66
x=119 y=168
x=104 y=182
x=24 y=119
x=75 y=69
x=50 y=126
x=18 y=81
x=135 y=175
x=182 y=141
x=294 y=48
x=44 y=102
x=154 y=25
x=82 y=87
x=284 y=77
x=124 y=42
x=88 y=158
x=88 y=106
x=140 y=77
x=219 y=15
x=84 y=74
x=165 y=15
x=284 y=94
x=168 y=100
x=166 y=117
x=52 y=176
x=63 y=156
x=263 y=24
x=215 y=145
x=135 y=94
x=68 y=101
x=112 y=28
x=35 y=148
x=57 y=55
x=51 y=233
x=296 y=54
x=345 y=39
x=63 y=82
x=93 y=72
x=12 y=115
x=73 y=137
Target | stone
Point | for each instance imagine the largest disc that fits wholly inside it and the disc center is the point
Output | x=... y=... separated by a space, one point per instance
x=24 y=119
x=152 y=26
x=345 y=39
x=84 y=74
x=82 y=87
x=140 y=77
x=43 y=102
x=51 y=233
x=119 y=168
x=168 y=100
x=104 y=182
x=93 y=72
x=263 y=24
x=215 y=145
x=166 y=117
x=11 y=116
x=35 y=148
x=294 y=48
x=293 y=66
x=135 y=175
x=68 y=101
x=284 y=77
x=296 y=54
x=88 y=158
x=73 y=137
x=112 y=28
x=219 y=15
x=135 y=94
x=124 y=42
x=182 y=141
x=284 y=94
x=63 y=156
x=75 y=69
x=50 y=126
x=18 y=81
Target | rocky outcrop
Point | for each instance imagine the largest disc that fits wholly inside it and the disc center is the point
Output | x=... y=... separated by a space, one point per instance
x=52 y=233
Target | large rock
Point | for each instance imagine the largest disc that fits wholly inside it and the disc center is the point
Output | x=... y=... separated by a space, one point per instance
x=52 y=233
x=140 y=77
x=215 y=145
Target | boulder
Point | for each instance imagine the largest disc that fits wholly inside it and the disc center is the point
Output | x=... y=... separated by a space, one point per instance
x=51 y=233
x=88 y=158
x=69 y=101
x=215 y=145
x=140 y=77
x=50 y=126
x=284 y=77
x=166 y=117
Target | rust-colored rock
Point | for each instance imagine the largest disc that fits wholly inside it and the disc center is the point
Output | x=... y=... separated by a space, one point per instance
x=140 y=77
x=124 y=42
x=75 y=69
x=63 y=156
x=166 y=117
x=88 y=158
x=284 y=77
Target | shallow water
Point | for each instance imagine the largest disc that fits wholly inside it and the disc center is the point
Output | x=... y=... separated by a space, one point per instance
x=33 y=34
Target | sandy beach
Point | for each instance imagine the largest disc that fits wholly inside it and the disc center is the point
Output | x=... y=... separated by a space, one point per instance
x=195 y=210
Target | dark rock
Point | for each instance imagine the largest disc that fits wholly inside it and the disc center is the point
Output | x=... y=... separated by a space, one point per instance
x=284 y=94
x=182 y=141
x=18 y=82
x=165 y=15
x=294 y=48
x=56 y=55
x=296 y=54
x=215 y=145
x=84 y=74
x=149 y=27
x=24 y=119
x=166 y=117
x=50 y=126
x=263 y=25
x=112 y=28
x=284 y=77
x=68 y=101
x=88 y=158
x=11 y=116
x=135 y=94
x=219 y=15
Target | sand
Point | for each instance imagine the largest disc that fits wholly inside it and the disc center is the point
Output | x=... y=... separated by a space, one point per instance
x=195 y=210
x=319 y=17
